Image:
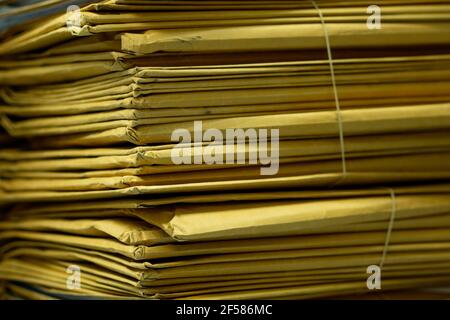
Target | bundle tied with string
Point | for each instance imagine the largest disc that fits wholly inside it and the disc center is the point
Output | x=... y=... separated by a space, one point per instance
x=341 y=133
x=87 y=176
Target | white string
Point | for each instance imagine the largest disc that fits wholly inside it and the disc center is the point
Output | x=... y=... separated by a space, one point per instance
x=336 y=96
x=341 y=133
x=389 y=231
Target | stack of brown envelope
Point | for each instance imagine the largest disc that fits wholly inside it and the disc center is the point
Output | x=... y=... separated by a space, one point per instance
x=89 y=186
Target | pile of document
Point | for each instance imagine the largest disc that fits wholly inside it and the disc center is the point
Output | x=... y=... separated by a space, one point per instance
x=118 y=179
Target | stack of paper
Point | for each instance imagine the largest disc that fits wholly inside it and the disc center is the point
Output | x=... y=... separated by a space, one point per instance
x=224 y=149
